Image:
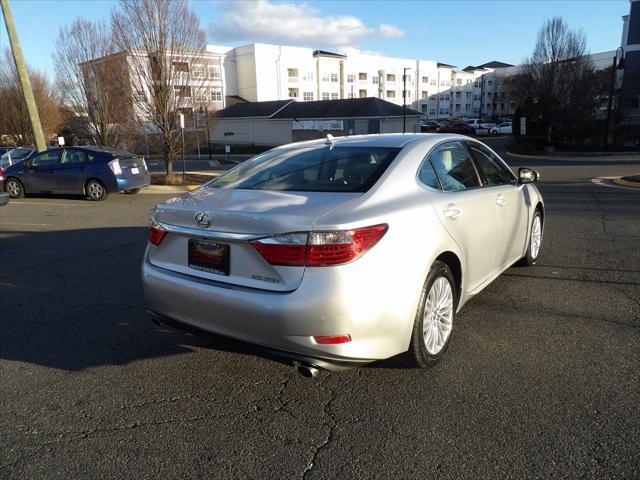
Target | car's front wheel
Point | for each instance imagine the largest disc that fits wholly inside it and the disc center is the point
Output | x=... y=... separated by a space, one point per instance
x=14 y=187
x=434 y=320
x=494 y=132
x=535 y=241
x=95 y=190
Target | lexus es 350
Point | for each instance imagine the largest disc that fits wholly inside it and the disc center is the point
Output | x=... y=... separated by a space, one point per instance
x=340 y=252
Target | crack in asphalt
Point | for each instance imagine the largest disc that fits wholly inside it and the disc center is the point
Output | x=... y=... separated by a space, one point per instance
x=333 y=423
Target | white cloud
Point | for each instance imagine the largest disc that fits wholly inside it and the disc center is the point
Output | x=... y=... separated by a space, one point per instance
x=291 y=24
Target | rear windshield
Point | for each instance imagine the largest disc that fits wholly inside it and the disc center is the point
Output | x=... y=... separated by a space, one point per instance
x=311 y=169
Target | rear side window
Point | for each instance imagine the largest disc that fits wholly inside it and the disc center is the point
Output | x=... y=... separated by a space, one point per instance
x=74 y=157
x=454 y=167
x=494 y=172
x=313 y=169
x=427 y=175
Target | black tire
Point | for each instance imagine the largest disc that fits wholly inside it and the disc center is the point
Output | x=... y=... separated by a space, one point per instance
x=14 y=187
x=95 y=190
x=493 y=132
x=529 y=260
x=418 y=354
x=131 y=191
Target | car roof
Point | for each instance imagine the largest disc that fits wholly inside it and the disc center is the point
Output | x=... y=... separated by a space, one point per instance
x=389 y=140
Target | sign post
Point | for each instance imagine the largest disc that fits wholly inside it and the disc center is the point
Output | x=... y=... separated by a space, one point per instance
x=184 y=172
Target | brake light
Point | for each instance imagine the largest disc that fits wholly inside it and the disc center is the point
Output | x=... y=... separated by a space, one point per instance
x=114 y=165
x=319 y=249
x=1 y=174
x=156 y=234
x=332 y=340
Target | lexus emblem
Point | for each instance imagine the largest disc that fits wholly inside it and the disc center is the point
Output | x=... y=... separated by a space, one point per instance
x=203 y=220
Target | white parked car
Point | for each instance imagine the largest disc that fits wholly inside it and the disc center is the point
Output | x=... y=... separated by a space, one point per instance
x=340 y=252
x=504 y=128
x=477 y=124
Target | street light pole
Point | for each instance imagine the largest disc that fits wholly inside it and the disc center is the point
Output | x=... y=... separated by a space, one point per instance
x=23 y=75
x=404 y=100
x=620 y=66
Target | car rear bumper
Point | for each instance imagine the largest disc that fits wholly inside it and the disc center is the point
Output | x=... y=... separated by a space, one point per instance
x=138 y=181
x=286 y=321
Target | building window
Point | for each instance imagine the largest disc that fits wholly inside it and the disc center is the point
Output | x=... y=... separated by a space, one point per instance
x=182 y=67
x=432 y=111
x=490 y=82
x=391 y=77
x=351 y=78
x=376 y=80
x=458 y=95
x=216 y=94
x=434 y=82
x=362 y=76
x=198 y=71
x=478 y=83
x=468 y=95
x=502 y=106
x=425 y=94
x=391 y=94
x=457 y=108
x=334 y=95
x=444 y=98
x=307 y=96
x=200 y=96
x=362 y=94
x=326 y=96
x=442 y=83
x=476 y=97
x=308 y=77
x=182 y=91
x=325 y=77
x=467 y=107
x=334 y=77
x=433 y=98
x=292 y=74
x=293 y=93
x=476 y=110
x=459 y=81
x=425 y=79
x=214 y=72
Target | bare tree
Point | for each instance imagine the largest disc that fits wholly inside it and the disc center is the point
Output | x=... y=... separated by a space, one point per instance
x=163 y=40
x=558 y=77
x=90 y=79
x=14 y=118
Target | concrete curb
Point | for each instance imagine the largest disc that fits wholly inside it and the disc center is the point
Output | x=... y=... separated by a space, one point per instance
x=626 y=183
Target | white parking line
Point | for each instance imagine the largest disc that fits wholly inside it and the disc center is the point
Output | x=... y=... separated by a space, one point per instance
x=25 y=224
x=13 y=202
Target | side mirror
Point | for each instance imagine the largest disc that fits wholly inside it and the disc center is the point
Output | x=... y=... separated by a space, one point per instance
x=527 y=175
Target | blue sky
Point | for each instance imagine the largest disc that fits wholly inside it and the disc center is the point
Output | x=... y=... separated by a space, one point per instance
x=460 y=32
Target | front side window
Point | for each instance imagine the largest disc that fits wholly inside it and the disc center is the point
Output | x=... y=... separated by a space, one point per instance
x=454 y=167
x=46 y=159
x=312 y=169
x=494 y=172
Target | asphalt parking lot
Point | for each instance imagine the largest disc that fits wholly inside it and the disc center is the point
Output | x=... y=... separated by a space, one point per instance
x=541 y=379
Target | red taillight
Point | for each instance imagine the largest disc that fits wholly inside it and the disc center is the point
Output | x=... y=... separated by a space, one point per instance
x=318 y=249
x=156 y=234
x=332 y=340
x=1 y=174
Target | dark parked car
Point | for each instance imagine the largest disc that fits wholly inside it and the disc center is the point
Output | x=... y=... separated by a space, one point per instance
x=92 y=171
x=461 y=128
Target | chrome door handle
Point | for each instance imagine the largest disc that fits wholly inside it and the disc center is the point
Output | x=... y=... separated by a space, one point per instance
x=501 y=200
x=452 y=213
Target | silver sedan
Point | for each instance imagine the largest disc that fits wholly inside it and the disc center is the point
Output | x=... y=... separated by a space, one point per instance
x=340 y=252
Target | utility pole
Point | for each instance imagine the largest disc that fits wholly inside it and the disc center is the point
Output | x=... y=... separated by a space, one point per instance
x=23 y=75
x=404 y=100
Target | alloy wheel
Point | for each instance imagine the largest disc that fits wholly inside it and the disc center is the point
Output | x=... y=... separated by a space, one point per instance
x=95 y=190
x=536 y=236
x=13 y=188
x=438 y=316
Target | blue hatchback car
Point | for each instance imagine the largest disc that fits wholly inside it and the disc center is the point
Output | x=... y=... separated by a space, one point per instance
x=91 y=171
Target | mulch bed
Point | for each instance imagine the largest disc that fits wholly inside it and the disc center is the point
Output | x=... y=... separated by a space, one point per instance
x=190 y=179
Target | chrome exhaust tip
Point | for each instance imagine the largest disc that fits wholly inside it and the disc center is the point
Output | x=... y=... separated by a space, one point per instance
x=308 y=371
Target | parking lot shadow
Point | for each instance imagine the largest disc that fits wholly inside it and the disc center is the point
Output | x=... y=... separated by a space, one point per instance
x=72 y=299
